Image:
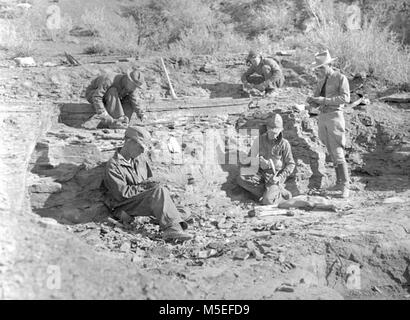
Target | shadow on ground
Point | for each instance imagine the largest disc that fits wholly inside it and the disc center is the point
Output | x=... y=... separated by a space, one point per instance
x=69 y=193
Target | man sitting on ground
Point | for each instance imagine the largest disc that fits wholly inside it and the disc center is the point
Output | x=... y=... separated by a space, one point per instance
x=263 y=75
x=133 y=192
x=115 y=97
x=276 y=164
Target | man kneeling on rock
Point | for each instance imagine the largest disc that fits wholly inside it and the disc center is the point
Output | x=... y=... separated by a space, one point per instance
x=133 y=192
x=115 y=97
x=263 y=76
x=275 y=165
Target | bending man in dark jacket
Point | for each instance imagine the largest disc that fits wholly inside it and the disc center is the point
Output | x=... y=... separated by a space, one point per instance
x=115 y=97
x=130 y=189
x=264 y=74
x=276 y=164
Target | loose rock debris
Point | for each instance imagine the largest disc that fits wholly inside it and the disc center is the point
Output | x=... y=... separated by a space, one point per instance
x=223 y=230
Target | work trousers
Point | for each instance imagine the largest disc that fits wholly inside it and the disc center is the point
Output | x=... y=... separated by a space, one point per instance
x=115 y=106
x=332 y=133
x=154 y=202
x=273 y=81
x=256 y=185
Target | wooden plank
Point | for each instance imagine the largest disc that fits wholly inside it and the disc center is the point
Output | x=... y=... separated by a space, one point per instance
x=398 y=97
x=168 y=105
x=77 y=108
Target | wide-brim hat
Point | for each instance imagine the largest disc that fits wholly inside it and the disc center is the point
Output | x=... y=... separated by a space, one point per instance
x=275 y=123
x=322 y=58
x=138 y=134
x=136 y=77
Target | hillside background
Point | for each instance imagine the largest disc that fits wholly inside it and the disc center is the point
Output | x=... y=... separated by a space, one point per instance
x=183 y=28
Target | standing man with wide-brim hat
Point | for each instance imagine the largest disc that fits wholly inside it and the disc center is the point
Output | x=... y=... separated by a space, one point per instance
x=331 y=95
x=115 y=97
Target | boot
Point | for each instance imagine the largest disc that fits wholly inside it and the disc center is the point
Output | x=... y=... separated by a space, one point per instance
x=338 y=185
x=96 y=121
x=120 y=123
x=270 y=93
x=345 y=180
x=175 y=233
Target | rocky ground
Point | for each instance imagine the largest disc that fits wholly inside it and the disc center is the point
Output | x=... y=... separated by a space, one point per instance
x=53 y=216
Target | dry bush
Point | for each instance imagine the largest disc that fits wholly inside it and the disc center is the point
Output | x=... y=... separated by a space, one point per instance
x=120 y=37
x=184 y=27
x=209 y=41
x=66 y=26
x=162 y=22
x=114 y=34
x=62 y=33
x=96 y=48
x=17 y=38
x=94 y=20
x=273 y=18
x=373 y=49
x=394 y=14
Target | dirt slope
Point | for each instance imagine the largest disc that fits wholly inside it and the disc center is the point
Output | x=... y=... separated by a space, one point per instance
x=311 y=253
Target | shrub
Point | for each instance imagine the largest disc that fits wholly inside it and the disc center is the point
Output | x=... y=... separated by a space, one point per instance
x=184 y=26
x=94 y=20
x=163 y=22
x=120 y=37
x=17 y=38
x=373 y=49
x=96 y=48
x=252 y=19
x=208 y=41
x=113 y=34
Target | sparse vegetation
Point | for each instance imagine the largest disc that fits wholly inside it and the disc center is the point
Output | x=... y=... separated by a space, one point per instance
x=17 y=39
x=272 y=18
x=95 y=48
x=93 y=20
x=373 y=49
x=190 y=27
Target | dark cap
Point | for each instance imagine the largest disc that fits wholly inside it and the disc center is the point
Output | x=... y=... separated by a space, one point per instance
x=252 y=54
x=138 y=134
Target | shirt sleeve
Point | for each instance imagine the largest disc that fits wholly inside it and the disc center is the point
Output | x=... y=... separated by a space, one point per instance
x=318 y=89
x=274 y=66
x=149 y=170
x=103 y=85
x=136 y=103
x=344 y=94
x=117 y=186
x=247 y=73
x=288 y=161
x=250 y=164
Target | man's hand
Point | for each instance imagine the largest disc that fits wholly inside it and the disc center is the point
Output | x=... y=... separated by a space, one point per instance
x=315 y=100
x=247 y=85
x=107 y=118
x=274 y=180
x=143 y=118
x=149 y=184
x=264 y=164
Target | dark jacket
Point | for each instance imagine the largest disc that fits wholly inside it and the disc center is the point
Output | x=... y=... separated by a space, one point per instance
x=99 y=86
x=122 y=178
x=266 y=64
x=337 y=92
x=279 y=149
